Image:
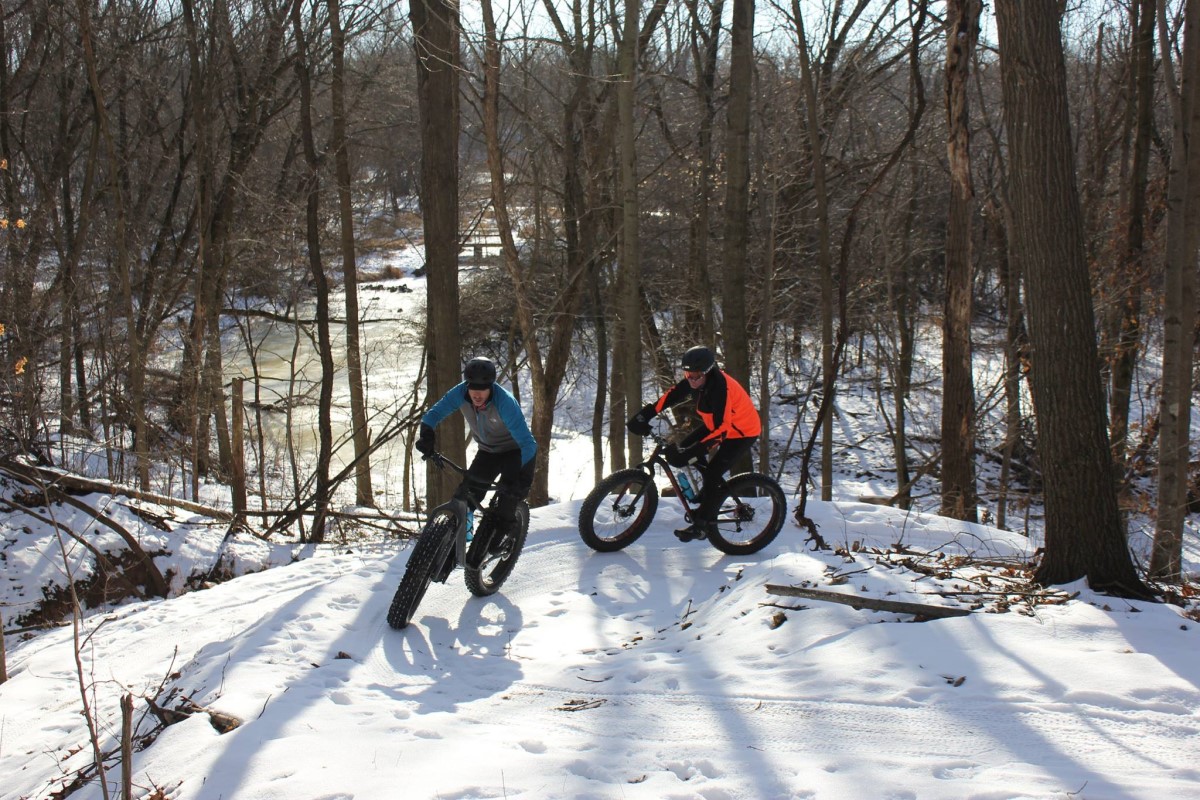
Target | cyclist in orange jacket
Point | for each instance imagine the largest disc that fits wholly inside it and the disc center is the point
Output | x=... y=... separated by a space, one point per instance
x=730 y=422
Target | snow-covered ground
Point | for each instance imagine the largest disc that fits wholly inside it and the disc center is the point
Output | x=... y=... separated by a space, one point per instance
x=662 y=671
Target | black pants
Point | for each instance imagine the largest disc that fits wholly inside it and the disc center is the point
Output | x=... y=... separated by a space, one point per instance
x=484 y=469
x=713 y=475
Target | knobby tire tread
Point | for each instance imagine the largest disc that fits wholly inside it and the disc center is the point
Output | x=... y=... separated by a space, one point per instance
x=635 y=480
x=752 y=483
x=493 y=572
x=429 y=553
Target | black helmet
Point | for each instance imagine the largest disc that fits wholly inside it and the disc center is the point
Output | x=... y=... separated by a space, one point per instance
x=480 y=373
x=698 y=359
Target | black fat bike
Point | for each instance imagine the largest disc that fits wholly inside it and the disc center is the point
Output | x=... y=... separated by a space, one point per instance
x=446 y=542
x=621 y=507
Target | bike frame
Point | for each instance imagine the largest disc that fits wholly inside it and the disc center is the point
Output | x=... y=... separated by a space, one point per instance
x=656 y=458
x=462 y=503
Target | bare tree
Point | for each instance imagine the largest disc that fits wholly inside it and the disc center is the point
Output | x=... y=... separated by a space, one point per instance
x=341 y=157
x=958 y=384
x=1084 y=537
x=815 y=141
x=705 y=39
x=311 y=191
x=1132 y=274
x=737 y=191
x=1179 y=312
x=629 y=279
x=436 y=38
x=135 y=348
x=235 y=92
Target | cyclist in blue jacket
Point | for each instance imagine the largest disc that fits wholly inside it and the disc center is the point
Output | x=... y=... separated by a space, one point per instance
x=505 y=446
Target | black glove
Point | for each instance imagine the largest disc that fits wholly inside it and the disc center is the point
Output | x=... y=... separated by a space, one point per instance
x=639 y=423
x=425 y=441
x=681 y=457
x=525 y=481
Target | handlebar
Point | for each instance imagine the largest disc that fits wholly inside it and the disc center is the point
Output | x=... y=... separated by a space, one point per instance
x=441 y=462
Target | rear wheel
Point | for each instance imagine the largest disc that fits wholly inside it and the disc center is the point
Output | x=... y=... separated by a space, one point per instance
x=495 y=567
x=750 y=516
x=427 y=560
x=618 y=510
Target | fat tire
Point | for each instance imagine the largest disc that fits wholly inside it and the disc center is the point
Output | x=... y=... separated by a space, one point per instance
x=740 y=537
x=607 y=530
x=493 y=571
x=428 y=556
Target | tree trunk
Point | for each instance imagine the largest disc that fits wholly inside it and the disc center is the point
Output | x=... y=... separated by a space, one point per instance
x=737 y=192
x=364 y=495
x=705 y=50
x=1179 y=306
x=1133 y=271
x=767 y=324
x=959 y=498
x=71 y=346
x=1015 y=355
x=903 y=301
x=548 y=370
x=186 y=415
x=601 y=400
x=1083 y=528
x=311 y=188
x=629 y=278
x=136 y=365
x=824 y=255
x=436 y=38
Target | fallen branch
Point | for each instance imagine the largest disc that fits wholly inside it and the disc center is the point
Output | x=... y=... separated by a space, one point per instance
x=106 y=566
x=40 y=476
x=1062 y=597
x=874 y=604
x=52 y=490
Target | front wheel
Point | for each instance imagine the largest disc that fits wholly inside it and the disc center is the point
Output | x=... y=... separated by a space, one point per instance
x=750 y=515
x=428 y=558
x=496 y=561
x=618 y=510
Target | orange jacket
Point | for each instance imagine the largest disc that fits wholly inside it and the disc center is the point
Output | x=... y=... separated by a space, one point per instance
x=722 y=404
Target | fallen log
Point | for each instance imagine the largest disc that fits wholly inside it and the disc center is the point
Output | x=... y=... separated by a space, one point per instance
x=872 y=603
x=41 y=477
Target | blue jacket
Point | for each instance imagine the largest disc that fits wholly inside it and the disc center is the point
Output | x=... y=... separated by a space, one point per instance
x=498 y=428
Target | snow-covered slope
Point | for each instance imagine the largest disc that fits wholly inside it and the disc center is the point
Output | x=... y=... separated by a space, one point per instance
x=665 y=670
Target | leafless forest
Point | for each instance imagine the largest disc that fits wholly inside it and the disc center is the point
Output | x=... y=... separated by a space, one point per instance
x=801 y=184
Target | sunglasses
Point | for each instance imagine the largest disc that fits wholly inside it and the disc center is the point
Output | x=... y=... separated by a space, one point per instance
x=692 y=374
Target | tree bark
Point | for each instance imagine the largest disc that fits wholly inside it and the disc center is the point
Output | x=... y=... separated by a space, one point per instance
x=824 y=255
x=705 y=52
x=312 y=195
x=959 y=499
x=629 y=280
x=135 y=347
x=364 y=495
x=1083 y=528
x=1179 y=306
x=1132 y=274
x=737 y=192
x=436 y=38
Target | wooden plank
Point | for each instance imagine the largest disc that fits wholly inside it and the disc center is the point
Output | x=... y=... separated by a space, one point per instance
x=874 y=604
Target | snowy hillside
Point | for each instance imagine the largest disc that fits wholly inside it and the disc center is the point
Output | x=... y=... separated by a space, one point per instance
x=665 y=670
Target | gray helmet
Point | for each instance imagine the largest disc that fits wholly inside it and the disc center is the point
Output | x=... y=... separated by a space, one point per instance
x=480 y=373
x=698 y=359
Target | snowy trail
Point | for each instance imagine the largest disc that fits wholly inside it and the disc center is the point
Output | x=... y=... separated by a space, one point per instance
x=650 y=673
